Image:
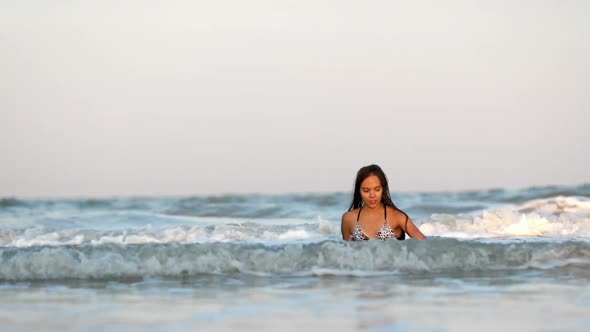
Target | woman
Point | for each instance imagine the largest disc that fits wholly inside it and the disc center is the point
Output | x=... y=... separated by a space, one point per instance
x=380 y=218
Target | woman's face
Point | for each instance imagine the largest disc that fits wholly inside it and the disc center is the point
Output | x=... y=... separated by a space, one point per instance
x=371 y=191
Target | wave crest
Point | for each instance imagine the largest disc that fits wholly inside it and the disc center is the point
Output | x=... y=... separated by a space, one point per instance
x=328 y=257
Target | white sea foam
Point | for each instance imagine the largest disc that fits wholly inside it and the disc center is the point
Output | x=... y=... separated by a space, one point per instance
x=249 y=232
x=298 y=234
x=553 y=218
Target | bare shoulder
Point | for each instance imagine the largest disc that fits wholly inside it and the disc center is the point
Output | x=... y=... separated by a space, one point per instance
x=395 y=216
x=347 y=226
x=349 y=216
x=395 y=213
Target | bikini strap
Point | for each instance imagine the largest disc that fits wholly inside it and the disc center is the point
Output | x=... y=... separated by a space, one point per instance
x=406 y=228
x=359 y=215
x=385 y=208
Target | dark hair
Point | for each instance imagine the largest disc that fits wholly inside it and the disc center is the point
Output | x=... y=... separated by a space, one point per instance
x=363 y=173
x=357 y=199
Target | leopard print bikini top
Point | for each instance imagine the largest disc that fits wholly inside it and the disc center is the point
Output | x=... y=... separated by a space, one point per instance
x=385 y=233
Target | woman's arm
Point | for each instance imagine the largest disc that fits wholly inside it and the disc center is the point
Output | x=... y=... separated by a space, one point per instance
x=412 y=230
x=345 y=227
x=403 y=221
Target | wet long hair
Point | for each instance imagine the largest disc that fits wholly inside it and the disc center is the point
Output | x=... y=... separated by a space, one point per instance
x=357 y=199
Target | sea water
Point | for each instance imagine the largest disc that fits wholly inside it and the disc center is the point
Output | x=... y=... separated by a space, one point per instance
x=514 y=260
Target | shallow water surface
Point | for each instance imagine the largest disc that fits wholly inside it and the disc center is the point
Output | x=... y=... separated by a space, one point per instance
x=495 y=260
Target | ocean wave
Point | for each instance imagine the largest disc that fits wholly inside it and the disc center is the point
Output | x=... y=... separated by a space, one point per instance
x=551 y=217
x=323 y=258
x=558 y=217
x=543 y=192
x=557 y=205
x=242 y=231
x=259 y=206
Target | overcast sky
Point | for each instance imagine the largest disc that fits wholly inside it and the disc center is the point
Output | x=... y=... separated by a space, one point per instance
x=102 y=98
